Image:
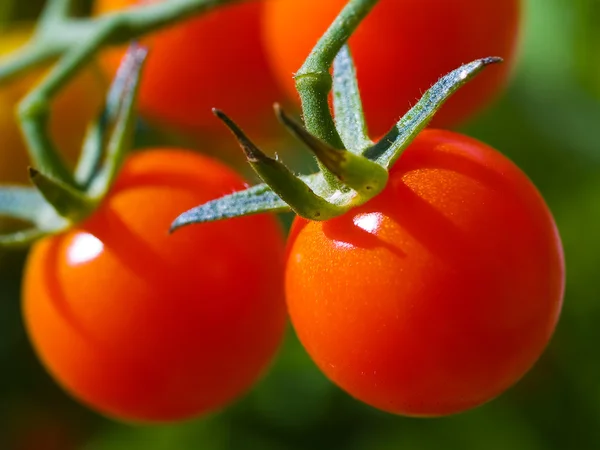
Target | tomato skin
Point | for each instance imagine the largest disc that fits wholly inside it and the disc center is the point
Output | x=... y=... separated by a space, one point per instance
x=183 y=79
x=401 y=48
x=71 y=111
x=147 y=327
x=440 y=293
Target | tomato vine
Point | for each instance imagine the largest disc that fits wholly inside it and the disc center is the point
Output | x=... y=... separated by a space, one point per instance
x=74 y=42
x=61 y=197
x=353 y=169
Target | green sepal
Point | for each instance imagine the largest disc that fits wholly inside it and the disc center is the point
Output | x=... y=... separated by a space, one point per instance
x=66 y=201
x=97 y=134
x=22 y=203
x=359 y=177
x=121 y=108
x=390 y=147
x=367 y=178
x=24 y=238
x=257 y=199
x=27 y=204
x=92 y=151
x=347 y=105
x=288 y=187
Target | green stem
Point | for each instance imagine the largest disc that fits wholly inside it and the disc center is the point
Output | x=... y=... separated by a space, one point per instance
x=133 y=23
x=26 y=58
x=55 y=10
x=78 y=40
x=73 y=42
x=34 y=108
x=314 y=81
x=362 y=168
x=41 y=148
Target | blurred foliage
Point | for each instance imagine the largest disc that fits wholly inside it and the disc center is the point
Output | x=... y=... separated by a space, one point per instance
x=547 y=122
x=588 y=43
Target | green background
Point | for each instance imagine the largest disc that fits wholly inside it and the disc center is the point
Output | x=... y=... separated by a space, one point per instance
x=548 y=122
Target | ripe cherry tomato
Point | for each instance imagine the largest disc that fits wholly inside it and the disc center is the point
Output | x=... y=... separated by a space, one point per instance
x=144 y=326
x=401 y=49
x=215 y=60
x=71 y=112
x=440 y=293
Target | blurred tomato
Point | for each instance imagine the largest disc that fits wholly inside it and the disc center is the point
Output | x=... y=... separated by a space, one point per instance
x=216 y=60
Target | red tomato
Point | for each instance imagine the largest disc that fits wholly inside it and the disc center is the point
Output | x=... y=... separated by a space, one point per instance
x=215 y=60
x=401 y=49
x=440 y=293
x=144 y=326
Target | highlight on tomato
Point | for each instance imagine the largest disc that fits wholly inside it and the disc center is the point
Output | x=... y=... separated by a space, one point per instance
x=144 y=326
x=402 y=48
x=440 y=293
x=71 y=111
x=214 y=60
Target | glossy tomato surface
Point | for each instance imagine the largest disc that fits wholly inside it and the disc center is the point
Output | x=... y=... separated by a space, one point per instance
x=214 y=60
x=440 y=293
x=402 y=48
x=71 y=111
x=146 y=326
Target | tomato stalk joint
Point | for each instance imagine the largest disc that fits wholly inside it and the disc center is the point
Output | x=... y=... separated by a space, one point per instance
x=350 y=174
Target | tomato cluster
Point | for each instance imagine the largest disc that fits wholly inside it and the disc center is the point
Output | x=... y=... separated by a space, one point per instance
x=430 y=299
